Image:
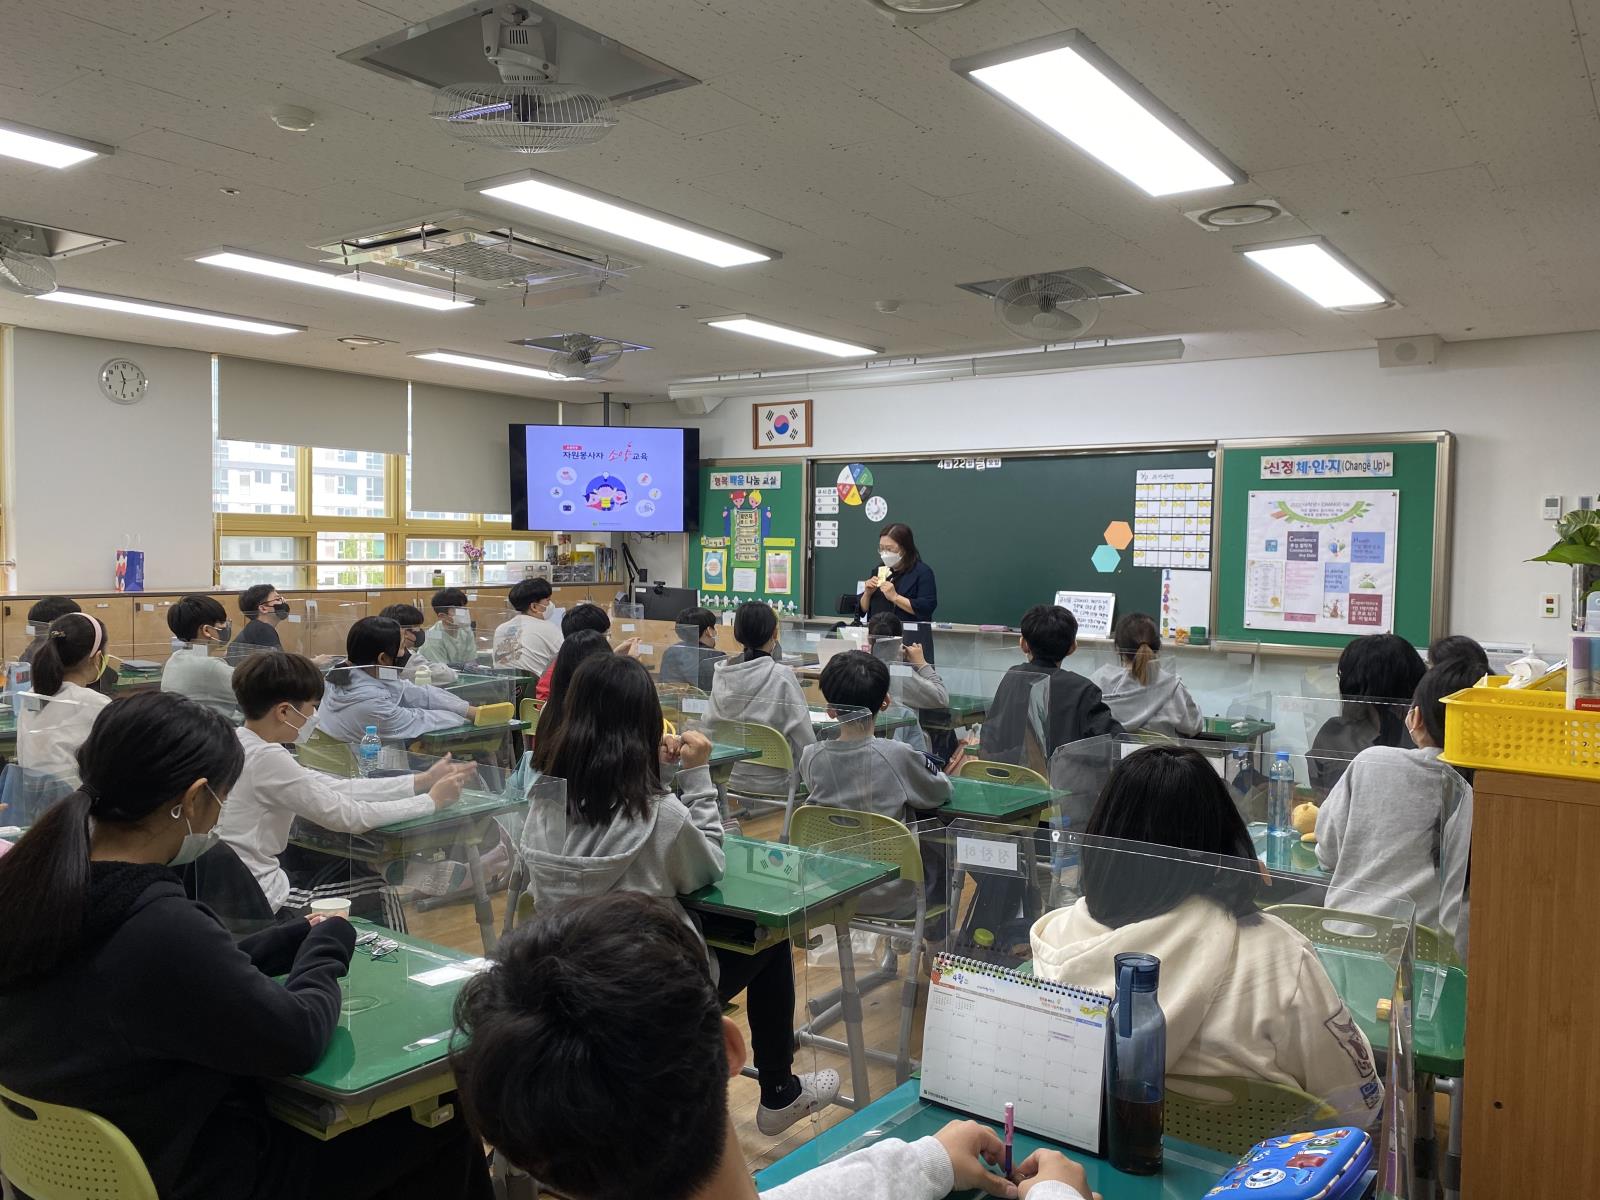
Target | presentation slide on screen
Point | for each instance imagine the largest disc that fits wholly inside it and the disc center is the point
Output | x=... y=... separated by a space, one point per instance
x=589 y=478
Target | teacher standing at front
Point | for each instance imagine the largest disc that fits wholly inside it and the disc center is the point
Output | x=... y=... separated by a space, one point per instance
x=904 y=585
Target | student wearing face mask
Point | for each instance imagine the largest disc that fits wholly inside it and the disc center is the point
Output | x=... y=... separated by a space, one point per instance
x=369 y=691
x=264 y=609
x=199 y=623
x=413 y=640
x=279 y=695
x=451 y=640
x=174 y=1025
x=65 y=668
x=903 y=585
x=528 y=641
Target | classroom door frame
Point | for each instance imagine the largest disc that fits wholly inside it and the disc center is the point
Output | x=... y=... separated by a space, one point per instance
x=1098 y=449
x=1443 y=523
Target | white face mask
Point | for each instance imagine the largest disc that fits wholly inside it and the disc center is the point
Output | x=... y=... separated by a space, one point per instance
x=194 y=844
x=889 y=557
x=462 y=617
x=303 y=732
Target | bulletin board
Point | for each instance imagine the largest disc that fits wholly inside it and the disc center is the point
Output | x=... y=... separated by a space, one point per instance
x=1005 y=530
x=751 y=542
x=1411 y=503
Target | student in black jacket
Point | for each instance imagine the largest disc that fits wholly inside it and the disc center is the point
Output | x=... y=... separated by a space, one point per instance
x=1038 y=706
x=120 y=995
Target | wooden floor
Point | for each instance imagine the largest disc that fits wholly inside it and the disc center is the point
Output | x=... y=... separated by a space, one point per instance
x=456 y=926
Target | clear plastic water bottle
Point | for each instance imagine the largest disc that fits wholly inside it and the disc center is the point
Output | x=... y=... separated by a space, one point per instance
x=367 y=753
x=1136 y=1067
x=1280 y=796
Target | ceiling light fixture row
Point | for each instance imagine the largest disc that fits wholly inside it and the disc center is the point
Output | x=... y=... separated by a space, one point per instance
x=1074 y=89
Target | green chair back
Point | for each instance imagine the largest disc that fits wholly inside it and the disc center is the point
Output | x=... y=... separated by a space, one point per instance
x=53 y=1152
x=771 y=746
x=883 y=839
x=1432 y=946
x=324 y=752
x=1232 y=1114
x=999 y=772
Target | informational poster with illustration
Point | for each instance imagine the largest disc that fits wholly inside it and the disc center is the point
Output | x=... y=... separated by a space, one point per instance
x=1322 y=562
x=751 y=529
x=1185 y=606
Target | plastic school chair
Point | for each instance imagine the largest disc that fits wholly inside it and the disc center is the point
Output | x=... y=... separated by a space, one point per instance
x=999 y=772
x=528 y=714
x=324 y=752
x=1313 y=922
x=1232 y=1114
x=52 y=1152
x=772 y=750
x=885 y=840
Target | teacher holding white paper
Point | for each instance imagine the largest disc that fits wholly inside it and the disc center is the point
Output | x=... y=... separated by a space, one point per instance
x=903 y=584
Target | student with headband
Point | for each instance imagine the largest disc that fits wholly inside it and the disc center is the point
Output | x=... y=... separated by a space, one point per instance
x=65 y=668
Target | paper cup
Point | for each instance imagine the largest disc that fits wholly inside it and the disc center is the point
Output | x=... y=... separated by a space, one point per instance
x=332 y=907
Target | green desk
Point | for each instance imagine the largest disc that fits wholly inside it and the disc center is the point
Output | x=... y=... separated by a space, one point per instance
x=1438 y=1006
x=472 y=736
x=886 y=723
x=1288 y=855
x=390 y=1050
x=466 y=822
x=962 y=710
x=770 y=892
x=1002 y=803
x=1188 y=1171
x=129 y=682
x=1234 y=729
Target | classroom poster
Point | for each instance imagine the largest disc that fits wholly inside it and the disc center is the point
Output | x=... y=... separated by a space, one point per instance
x=1094 y=611
x=1172 y=518
x=1322 y=562
x=778 y=581
x=748 y=513
x=1185 y=606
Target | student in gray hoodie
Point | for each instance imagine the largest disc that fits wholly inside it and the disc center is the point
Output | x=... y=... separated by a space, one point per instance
x=369 y=691
x=754 y=687
x=621 y=829
x=1137 y=691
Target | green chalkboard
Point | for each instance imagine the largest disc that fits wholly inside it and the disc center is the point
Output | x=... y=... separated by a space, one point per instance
x=1002 y=538
x=1421 y=476
x=752 y=519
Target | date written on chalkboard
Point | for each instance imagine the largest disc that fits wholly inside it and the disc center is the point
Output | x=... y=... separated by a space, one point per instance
x=968 y=464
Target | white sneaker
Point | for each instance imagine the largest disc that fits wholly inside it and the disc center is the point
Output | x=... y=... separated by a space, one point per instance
x=817 y=1090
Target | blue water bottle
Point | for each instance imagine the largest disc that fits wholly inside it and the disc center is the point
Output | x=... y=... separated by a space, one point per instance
x=1136 y=1067
x=367 y=753
x=1280 y=796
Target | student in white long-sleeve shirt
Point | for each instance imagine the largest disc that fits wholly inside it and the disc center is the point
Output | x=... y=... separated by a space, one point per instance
x=528 y=641
x=368 y=690
x=606 y=1006
x=200 y=622
x=279 y=694
x=56 y=720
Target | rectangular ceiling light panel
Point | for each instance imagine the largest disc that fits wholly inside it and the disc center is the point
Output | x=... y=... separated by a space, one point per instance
x=1317 y=271
x=554 y=197
x=772 y=332
x=167 y=312
x=456 y=359
x=370 y=286
x=1070 y=86
x=45 y=148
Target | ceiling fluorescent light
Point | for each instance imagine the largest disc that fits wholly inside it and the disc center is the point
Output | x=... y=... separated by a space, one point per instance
x=168 y=312
x=1318 y=271
x=46 y=148
x=491 y=364
x=756 y=327
x=862 y=375
x=1069 y=85
x=557 y=198
x=371 y=286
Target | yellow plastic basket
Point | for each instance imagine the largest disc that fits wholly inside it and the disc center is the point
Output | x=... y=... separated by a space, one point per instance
x=1534 y=732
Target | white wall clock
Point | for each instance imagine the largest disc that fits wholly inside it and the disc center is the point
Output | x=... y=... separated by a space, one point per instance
x=123 y=381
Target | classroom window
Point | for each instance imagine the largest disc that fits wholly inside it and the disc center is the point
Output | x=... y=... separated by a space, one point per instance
x=253 y=477
x=341 y=476
x=349 y=559
x=251 y=560
x=497 y=518
x=424 y=556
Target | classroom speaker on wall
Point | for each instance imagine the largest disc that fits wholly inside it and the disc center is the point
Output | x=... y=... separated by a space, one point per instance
x=698 y=406
x=1418 y=351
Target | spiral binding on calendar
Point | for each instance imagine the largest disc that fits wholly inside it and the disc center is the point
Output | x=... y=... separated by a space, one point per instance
x=946 y=960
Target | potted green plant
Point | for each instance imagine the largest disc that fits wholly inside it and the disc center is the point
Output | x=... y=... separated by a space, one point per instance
x=1579 y=548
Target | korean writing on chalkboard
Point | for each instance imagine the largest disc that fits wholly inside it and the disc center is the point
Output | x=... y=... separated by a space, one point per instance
x=968 y=464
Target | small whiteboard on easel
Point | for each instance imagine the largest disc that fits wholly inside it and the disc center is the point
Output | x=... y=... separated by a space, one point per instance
x=1094 y=611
